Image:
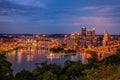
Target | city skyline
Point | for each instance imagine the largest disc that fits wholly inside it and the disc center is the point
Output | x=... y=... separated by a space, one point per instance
x=59 y=16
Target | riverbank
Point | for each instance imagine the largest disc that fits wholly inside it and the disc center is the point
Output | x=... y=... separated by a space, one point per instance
x=11 y=48
x=57 y=55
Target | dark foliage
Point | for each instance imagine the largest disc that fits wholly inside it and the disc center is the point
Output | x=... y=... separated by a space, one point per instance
x=5 y=68
x=72 y=70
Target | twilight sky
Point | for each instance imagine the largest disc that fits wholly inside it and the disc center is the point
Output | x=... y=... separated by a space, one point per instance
x=59 y=16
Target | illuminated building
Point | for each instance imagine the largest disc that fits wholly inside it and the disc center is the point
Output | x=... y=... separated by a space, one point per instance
x=71 y=41
x=71 y=44
x=83 y=32
x=106 y=38
x=89 y=34
x=93 y=32
x=75 y=35
x=95 y=41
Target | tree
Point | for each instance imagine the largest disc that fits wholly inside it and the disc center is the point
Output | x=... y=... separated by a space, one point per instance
x=6 y=73
x=64 y=77
x=92 y=62
x=114 y=59
x=54 y=68
x=24 y=75
x=49 y=76
x=118 y=51
x=37 y=73
x=68 y=64
x=75 y=69
x=41 y=67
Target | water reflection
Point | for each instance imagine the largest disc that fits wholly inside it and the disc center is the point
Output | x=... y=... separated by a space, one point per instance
x=28 y=57
x=84 y=57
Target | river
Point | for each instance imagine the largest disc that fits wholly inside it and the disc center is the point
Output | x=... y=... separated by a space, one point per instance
x=28 y=57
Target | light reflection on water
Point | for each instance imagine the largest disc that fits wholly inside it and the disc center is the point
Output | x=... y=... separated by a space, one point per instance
x=27 y=58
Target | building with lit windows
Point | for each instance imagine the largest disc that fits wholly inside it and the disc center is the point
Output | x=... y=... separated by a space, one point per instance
x=89 y=34
x=93 y=32
x=106 y=38
x=83 y=32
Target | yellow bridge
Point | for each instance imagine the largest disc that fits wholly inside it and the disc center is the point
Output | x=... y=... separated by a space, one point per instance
x=103 y=49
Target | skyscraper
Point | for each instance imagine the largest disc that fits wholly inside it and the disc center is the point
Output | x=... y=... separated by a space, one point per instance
x=83 y=32
x=89 y=34
x=106 y=38
x=93 y=32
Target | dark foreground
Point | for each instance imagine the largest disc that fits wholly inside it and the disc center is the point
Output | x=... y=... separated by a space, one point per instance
x=107 y=69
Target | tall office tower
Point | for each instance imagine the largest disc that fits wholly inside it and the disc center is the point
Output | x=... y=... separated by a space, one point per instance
x=83 y=31
x=106 y=38
x=93 y=32
x=89 y=34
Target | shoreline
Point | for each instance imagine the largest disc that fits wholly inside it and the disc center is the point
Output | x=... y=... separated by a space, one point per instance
x=57 y=55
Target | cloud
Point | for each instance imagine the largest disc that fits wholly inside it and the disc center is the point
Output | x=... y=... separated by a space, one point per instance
x=44 y=21
x=12 y=8
x=99 y=8
x=92 y=19
x=6 y=19
x=34 y=3
x=34 y=14
x=105 y=9
x=97 y=19
x=102 y=10
x=89 y=8
x=111 y=24
x=13 y=11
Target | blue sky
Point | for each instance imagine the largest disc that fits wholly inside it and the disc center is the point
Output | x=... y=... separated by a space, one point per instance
x=59 y=16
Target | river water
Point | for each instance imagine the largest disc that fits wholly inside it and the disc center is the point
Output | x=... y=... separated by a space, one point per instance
x=28 y=57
